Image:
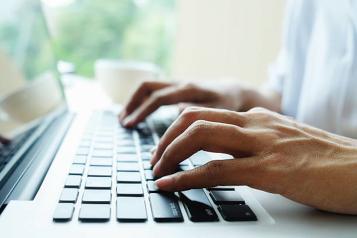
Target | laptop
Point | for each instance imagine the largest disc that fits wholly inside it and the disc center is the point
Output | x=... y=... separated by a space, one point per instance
x=67 y=174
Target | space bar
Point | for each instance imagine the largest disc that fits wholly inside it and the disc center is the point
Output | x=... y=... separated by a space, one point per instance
x=165 y=208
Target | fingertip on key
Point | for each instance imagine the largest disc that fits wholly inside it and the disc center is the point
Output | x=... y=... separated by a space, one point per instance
x=128 y=122
x=165 y=183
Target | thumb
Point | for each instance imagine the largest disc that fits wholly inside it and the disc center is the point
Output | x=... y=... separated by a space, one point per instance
x=214 y=173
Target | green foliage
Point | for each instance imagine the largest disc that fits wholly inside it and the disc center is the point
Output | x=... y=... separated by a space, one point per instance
x=25 y=42
x=92 y=29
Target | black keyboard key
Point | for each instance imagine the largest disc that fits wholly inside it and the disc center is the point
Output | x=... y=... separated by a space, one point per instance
x=96 y=196
x=143 y=129
x=128 y=177
x=127 y=158
x=152 y=188
x=227 y=188
x=197 y=206
x=131 y=209
x=130 y=189
x=94 y=212
x=165 y=207
x=101 y=162
x=63 y=212
x=73 y=181
x=76 y=169
x=226 y=197
x=237 y=212
x=99 y=182
x=127 y=167
x=99 y=171
x=69 y=195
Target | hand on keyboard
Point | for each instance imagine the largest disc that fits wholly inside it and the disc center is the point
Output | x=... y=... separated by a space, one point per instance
x=272 y=153
x=111 y=172
x=151 y=95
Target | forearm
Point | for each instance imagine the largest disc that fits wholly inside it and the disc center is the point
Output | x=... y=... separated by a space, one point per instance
x=260 y=98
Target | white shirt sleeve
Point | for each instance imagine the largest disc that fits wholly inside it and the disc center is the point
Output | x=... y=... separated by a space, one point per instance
x=277 y=70
x=276 y=74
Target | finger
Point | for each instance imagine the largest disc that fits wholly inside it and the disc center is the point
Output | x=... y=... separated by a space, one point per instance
x=166 y=96
x=183 y=106
x=214 y=173
x=188 y=117
x=143 y=91
x=208 y=136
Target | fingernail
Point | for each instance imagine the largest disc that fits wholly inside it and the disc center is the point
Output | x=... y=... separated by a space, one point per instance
x=127 y=121
x=165 y=183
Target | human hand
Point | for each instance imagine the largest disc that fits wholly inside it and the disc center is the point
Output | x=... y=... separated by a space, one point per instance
x=271 y=152
x=151 y=95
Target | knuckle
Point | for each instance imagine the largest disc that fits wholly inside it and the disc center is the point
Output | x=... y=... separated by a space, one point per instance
x=189 y=86
x=213 y=168
x=145 y=85
x=191 y=113
x=261 y=114
x=198 y=127
x=257 y=110
x=241 y=116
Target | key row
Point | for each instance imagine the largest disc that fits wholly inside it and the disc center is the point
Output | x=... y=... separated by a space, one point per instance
x=164 y=208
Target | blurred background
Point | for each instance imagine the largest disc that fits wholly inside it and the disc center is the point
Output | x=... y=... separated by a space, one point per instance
x=121 y=43
x=196 y=39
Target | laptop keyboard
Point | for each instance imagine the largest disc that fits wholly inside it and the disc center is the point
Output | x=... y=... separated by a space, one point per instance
x=112 y=166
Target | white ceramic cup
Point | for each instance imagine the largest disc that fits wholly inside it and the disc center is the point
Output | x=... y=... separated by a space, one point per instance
x=119 y=79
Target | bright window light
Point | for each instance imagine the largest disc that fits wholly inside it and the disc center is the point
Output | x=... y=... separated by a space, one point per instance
x=58 y=3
